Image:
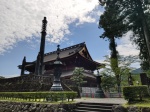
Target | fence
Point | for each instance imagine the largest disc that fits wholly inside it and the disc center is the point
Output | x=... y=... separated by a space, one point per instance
x=91 y=93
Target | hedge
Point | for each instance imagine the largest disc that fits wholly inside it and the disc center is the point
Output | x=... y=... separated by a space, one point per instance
x=131 y=93
x=47 y=96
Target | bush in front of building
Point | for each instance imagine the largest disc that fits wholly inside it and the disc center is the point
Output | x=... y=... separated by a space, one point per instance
x=39 y=96
x=132 y=93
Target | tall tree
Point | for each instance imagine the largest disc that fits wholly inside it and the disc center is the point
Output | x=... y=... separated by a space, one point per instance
x=135 y=14
x=141 y=42
x=113 y=27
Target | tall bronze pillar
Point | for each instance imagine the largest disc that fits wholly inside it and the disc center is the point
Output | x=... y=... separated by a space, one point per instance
x=42 y=46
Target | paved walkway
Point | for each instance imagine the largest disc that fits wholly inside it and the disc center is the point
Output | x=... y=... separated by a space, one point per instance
x=102 y=100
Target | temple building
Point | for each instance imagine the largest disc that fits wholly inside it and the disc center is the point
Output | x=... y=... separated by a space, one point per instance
x=71 y=57
x=41 y=70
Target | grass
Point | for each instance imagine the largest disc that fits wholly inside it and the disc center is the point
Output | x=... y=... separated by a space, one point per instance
x=39 y=101
x=144 y=103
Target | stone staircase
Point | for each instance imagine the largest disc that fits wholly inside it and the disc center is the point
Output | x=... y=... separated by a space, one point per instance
x=93 y=107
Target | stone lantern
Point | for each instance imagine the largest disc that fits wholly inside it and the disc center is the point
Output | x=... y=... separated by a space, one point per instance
x=57 y=73
x=99 y=93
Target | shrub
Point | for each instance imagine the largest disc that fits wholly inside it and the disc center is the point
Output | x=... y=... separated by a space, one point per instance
x=133 y=92
x=51 y=96
x=71 y=95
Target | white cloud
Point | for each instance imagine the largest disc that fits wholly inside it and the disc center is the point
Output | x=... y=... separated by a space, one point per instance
x=9 y=76
x=126 y=46
x=21 y=19
x=100 y=60
x=136 y=65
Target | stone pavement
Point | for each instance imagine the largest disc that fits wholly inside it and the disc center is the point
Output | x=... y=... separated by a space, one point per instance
x=102 y=100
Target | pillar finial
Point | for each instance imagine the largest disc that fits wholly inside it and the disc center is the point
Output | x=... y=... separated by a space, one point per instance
x=44 y=24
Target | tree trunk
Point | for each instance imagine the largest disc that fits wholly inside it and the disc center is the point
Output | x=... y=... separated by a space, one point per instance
x=79 y=90
x=114 y=61
x=118 y=83
x=145 y=27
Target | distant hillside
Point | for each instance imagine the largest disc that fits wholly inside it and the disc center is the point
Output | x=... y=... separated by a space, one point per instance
x=137 y=71
x=1 y=77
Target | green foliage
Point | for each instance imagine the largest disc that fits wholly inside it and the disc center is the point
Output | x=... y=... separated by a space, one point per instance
x=108 y=81
x=1 y=77
x=123 y=69
x=136 y=80
x=24 y=86
x=111 y=21
x=71 y=95
x=50 y=96
x=141 y=104
x=131 y=93
x=121 y=16
x=148 y=73
x=78 y=76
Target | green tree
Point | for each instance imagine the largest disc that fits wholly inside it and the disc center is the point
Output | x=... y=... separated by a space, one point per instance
x=108 y=79
x=138 y=18
x=141 y=42
x=114 y=28
x=77 y=77
x=148 y=73
x=1 y=77
x=135 y=14
x=124 y=68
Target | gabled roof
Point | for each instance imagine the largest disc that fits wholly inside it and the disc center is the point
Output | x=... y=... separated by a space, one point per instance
x=78 y=50
x=67 y=52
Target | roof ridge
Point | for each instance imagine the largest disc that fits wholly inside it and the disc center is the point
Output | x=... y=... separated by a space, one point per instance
x=83 y=43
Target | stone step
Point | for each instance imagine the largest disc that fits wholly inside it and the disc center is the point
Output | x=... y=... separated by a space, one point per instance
x=76 y=110
x=94 y=107
x=89 y=111
x=91 y=103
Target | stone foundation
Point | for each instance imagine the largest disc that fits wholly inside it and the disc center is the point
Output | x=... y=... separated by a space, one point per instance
x=119 y=108
x=34 y=107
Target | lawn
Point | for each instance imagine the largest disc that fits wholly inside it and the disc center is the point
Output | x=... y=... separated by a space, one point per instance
x=41 y=101
x=144 y=103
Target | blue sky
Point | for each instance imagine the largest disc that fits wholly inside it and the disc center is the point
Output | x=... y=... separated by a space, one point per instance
x=69 y=23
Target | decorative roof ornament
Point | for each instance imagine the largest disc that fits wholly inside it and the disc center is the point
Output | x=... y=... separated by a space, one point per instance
x=58 y=62
x=58 y=52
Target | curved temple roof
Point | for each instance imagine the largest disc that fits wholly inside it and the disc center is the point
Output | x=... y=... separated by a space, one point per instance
x=80 y=49
x=65 y=52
